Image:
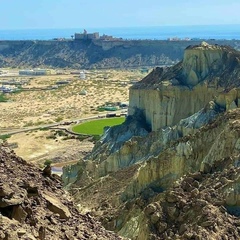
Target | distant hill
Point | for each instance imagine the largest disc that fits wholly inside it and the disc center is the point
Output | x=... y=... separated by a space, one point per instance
x=96 y=54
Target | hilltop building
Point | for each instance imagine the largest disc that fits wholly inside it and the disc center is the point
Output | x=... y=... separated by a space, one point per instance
x=86 y=36
x=94 y=36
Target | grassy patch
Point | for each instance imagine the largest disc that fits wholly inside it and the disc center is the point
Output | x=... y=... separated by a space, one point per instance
x=5 y=137
x=59 y=119
x=3 y=98
x=96 y=127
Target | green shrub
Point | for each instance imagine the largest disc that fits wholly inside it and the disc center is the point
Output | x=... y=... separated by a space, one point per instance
x=95 y=138
x=43 y=129
x=61 y=133
x=5 y=137
x=52 y=136
x=59 y=119
x=47 y=162
x=3 y=98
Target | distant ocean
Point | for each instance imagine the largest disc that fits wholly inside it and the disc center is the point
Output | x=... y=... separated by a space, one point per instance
x=160 y=33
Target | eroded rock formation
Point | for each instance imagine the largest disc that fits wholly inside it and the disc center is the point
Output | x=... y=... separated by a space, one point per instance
x=137 y=179
x=168 y=95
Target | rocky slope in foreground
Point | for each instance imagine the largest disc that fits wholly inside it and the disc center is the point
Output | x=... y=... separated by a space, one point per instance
x=172 y=179
x=34 y=206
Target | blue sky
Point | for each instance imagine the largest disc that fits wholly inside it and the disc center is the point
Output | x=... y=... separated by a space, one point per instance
x=34 y=14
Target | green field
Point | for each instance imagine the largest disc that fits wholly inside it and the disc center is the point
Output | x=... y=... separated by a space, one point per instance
x=96 y=127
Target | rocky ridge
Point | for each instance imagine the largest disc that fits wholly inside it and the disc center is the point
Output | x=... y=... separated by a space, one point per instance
x=213 y=149
x=98 y=54
x=34 y=206
x=189 y=126
x=206 y=73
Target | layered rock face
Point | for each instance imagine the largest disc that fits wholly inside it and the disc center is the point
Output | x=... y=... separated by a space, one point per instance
x=169 y=95
x=173 y=166
x=207 y=164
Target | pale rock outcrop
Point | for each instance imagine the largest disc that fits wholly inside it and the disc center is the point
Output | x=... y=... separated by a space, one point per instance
x=183 y=131
x=199 y=61
x=168 y=95
x=110 y=154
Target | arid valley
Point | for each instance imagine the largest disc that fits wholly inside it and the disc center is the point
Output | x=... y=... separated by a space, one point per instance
x=60 y=98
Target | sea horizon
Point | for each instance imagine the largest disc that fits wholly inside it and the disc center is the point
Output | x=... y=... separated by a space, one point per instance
x=228 y=32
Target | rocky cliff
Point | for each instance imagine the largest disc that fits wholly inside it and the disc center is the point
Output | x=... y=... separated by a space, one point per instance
x=168 y=95
x=34 y=206
x=94 y=54
x=171 y=171
x=200 y=170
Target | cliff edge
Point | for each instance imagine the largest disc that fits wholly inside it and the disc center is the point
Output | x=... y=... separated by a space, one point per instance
x=171 y=171
x=207 y=72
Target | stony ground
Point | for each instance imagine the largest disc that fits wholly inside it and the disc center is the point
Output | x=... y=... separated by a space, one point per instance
x=34 y=206
x=195 y=208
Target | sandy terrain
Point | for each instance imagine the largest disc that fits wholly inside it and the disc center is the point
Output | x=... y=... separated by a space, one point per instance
x=33 y=108
x=38 y=146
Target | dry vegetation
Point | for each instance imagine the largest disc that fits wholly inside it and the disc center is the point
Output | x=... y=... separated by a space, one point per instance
x=34 y=108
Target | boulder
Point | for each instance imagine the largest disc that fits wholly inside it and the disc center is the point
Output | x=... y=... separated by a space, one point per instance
x=56 y=206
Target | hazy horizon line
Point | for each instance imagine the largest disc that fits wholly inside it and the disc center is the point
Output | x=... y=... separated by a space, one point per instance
x=110 y=27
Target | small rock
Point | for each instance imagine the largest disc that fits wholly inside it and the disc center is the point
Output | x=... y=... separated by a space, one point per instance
x=194 y=192
x=5 y=190
x=162 y=226
x=171 y=197
x=19 y=214
x=150 y=209
x=207 y=224
x=21 y=232
x=56 y=206
x=189 y=180
x=182 y=229
x=155 y=217
x=172 y=212
x=197 y=176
